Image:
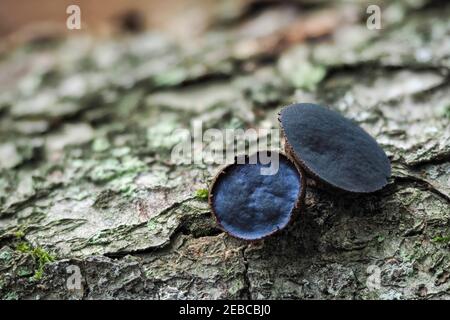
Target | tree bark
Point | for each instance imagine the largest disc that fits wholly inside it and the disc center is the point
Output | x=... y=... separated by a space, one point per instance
x=88 y=178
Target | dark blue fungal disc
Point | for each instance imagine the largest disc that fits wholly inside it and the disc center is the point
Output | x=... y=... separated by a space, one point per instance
x=333 y=149
x=249 y=205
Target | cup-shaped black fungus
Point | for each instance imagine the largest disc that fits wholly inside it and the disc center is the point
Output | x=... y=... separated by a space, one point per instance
x=333 y=149
x=251 y=201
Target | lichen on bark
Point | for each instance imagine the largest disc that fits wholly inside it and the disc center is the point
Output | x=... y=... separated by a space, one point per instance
x=86 y=175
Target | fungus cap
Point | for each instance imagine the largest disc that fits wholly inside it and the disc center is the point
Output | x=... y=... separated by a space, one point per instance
x=333 y=149
x=250 y=205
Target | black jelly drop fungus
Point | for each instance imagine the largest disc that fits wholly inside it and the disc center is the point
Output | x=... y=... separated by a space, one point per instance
x=333 y=149
x=250 y=205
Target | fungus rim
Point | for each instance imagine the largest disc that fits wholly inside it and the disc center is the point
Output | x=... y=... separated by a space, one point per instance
x=293 y=214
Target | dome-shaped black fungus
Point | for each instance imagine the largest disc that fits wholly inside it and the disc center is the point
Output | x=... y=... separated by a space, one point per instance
x=251 y=205
x=333 y=149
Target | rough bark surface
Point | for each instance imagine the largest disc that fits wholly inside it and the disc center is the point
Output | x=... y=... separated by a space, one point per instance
x=87 y=179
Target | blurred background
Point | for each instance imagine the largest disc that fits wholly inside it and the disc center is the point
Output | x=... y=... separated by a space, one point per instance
x=106 y=17
x=22 y=19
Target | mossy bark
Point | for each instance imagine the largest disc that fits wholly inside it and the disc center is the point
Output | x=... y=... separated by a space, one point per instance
x=87 y=178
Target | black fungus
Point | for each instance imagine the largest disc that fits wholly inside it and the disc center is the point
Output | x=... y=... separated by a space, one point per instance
x=251 y=204
x=333 y=149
